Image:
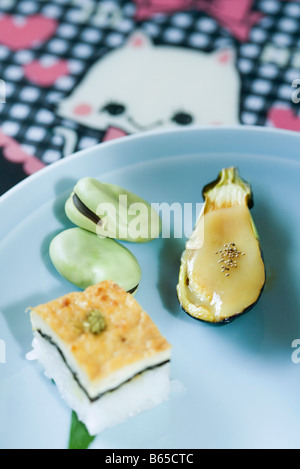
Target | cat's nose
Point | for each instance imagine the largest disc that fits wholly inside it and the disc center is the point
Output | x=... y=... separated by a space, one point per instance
x=182 y=118
x=114 y=109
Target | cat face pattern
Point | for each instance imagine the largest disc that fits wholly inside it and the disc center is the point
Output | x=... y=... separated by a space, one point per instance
x=141 y=87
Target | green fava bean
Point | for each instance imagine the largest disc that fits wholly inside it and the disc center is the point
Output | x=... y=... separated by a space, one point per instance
x=84 y=259
x=113 y=212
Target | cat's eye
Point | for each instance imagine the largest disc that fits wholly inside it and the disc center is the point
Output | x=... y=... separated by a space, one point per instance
x=114 y=109
x=182 y=118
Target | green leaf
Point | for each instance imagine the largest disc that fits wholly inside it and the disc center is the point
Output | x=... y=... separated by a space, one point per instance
x=79 y=436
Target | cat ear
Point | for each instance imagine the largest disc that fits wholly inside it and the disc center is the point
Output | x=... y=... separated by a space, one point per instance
x=138 y=40
x=225 y=56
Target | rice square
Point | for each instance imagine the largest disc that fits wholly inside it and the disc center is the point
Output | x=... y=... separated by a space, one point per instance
x=107 y=374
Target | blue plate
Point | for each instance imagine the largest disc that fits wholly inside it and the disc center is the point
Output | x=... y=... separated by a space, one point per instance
x=235 y=386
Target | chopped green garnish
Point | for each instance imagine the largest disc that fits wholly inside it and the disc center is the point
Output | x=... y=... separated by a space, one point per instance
x=79 y=436
x=95 y=322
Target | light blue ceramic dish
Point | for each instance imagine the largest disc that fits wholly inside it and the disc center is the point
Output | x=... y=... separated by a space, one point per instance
x=235 y=386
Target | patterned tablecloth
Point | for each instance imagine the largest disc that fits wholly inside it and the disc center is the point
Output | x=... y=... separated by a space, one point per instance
x=78 y=72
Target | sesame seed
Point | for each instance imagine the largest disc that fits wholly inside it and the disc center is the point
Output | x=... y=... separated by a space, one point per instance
x=228 y=257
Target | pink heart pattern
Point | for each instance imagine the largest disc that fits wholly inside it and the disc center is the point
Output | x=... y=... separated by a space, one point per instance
x=236 y=16
x=282 y=118
x=26 y=32
x=42 y=75
x=14 y=153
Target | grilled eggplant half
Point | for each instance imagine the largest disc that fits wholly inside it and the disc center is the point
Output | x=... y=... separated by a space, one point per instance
x=222 y=271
